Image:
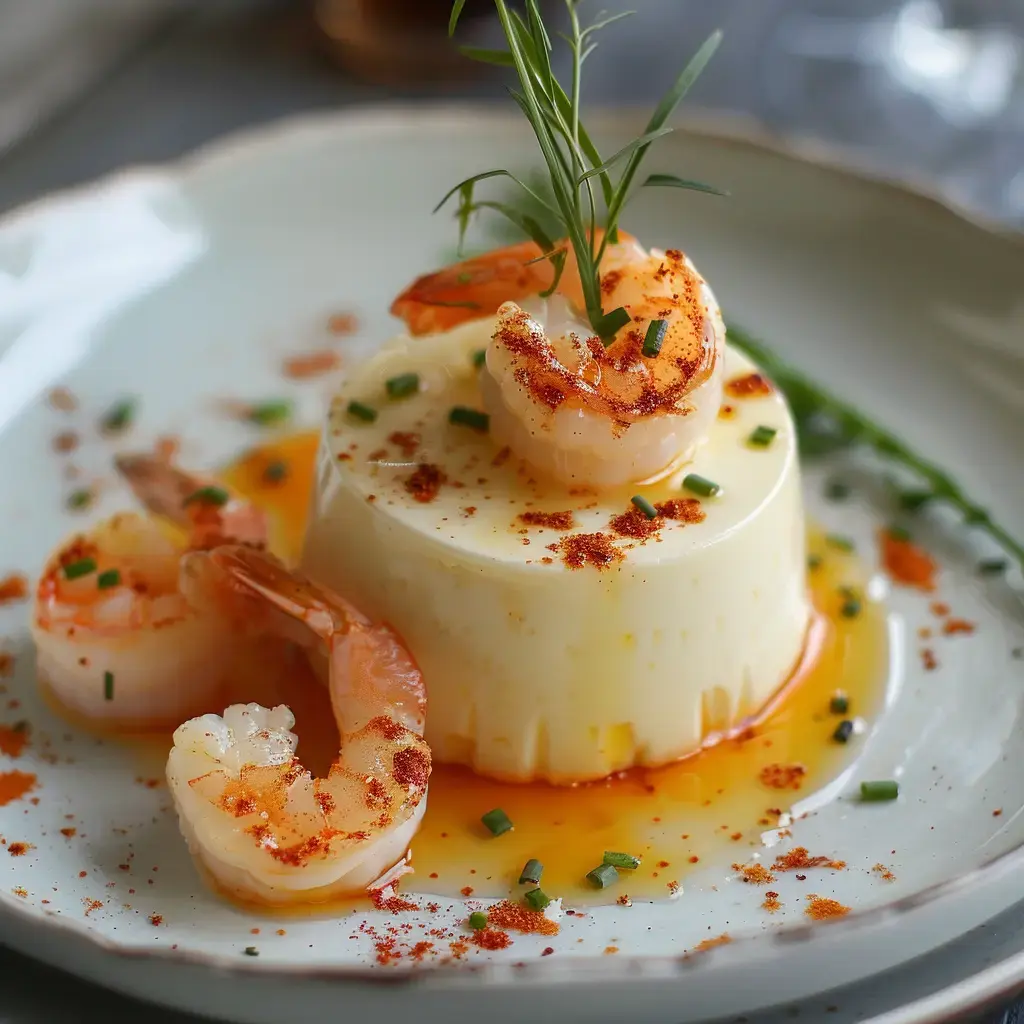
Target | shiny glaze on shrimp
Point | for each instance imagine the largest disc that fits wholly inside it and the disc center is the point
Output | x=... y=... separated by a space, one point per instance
x=575 y=409
x=119 y=645
x=256 y=821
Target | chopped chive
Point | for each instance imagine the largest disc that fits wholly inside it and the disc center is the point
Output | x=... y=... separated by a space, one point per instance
x=537 y=899
x=844 y=730
x=266 y=414
x=837 y=490
x=275 y=471
x=621 y=860
x=80 y=499
x=645 y=506
x=208 y=496
x=366 y=413
x=531 y=872
x=835 y=540
x=839 y=704
x=814 y=562
x=463 y=417
x=762 y=436
x=899 y=533
x=251 y=951
x=479 y=357
x=108 y=685
x=609 y=324
x=913 y=501
x=402 y=386
x=497 y=822
x=108 y=578
x=993 y=566
x=850 y=607
x=886 y=789
x=84 y=566
x=118 y=416
x=477 y=921
x=700 y=485
x=654 y=338
x=602 y=876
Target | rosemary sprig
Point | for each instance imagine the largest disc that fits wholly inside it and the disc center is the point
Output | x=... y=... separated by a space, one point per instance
x=825 y=423
x=573 y=163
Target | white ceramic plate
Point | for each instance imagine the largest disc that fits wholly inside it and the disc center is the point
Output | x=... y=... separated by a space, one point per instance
x=187 y=285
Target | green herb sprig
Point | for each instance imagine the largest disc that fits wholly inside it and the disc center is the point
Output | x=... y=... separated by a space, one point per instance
x=827 y=424
x=574 y=164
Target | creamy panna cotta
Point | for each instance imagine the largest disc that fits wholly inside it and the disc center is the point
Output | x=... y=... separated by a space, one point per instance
x=562 y=634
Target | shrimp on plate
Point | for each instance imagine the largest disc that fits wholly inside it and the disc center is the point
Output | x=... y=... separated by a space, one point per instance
x=556 y=395
x=259 y=825
x=117 y=643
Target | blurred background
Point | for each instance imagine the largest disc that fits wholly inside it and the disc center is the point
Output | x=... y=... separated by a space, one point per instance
x=930 y=91
x=920 y=89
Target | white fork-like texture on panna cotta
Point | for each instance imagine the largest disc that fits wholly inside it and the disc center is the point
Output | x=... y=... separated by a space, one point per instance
x=562 y=634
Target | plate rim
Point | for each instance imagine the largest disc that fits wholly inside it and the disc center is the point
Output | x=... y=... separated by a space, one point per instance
x=388 y=119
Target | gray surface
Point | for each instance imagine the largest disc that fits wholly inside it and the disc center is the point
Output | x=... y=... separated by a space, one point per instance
x=915 y=95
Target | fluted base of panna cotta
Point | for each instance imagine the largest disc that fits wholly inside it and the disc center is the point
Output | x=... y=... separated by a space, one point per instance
x=537 y=666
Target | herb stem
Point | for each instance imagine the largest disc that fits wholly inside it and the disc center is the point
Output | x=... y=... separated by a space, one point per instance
x=812 y=403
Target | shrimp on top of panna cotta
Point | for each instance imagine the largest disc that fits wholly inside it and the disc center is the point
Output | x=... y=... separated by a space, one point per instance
x=584 y=411
x=117 y=643
x=259 y=825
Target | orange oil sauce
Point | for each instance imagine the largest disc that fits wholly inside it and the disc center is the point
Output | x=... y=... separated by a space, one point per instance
x=708 y=808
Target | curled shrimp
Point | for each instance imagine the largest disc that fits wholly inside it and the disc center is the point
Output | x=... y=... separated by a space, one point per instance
x=255 y=820
x=557 y=396
x=117 y=643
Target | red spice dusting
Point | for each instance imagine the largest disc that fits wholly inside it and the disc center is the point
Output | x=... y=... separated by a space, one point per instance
x=14 y=785
x=386 y=951
x=411 y=768
x=13 y=739
x=6 y=664
x=547 y=951
x=467 y=890
x=924 y=633
x=156 y=920
x=254 y=931
x=940 y=609
x=719 y=940
x=751 y=385
x=459 y=948
x=65 y=441
x=310 y=364
x=62 y=400
x=610 y=950
x=469 y=510
x=594 y=549
x=736 y=836
x=343 y=323
x=798 y=859
x=513 y=917
x=406 y=441
x=624 y=901
x=684 y=510
x=13 y=588
x=387 y=899
x=997 y=812
x=771 y=902
x=928 y=659
x=887 y=875
x=694 y=859
x=280 y=931
x=68 y=833
x=782 y=776
x=420 y=950
x=727 y=412
x=820 y=909
x=22 y=892
x=633 y=523
x=953 y=626
x=489 y=938
x=550 y=520
x=91 y=905
x=755 y=874
x=82 y=874
x=907 y=563
x=425 y=484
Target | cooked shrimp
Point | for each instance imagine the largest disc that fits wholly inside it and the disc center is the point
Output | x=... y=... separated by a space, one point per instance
x=256 y=821
x=559 y=398
x=116 y=641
